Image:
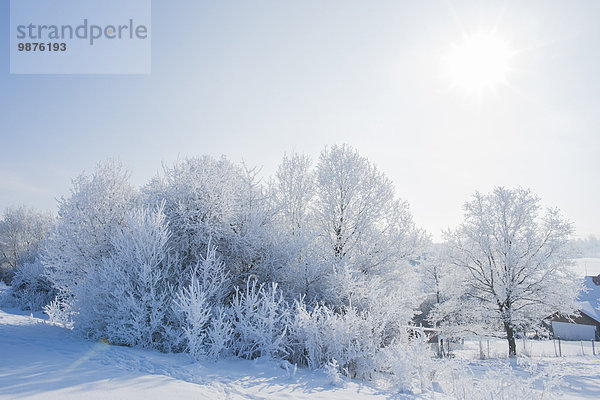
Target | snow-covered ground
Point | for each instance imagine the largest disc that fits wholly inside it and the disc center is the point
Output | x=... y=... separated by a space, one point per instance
x=586 y=267
x=42 y=361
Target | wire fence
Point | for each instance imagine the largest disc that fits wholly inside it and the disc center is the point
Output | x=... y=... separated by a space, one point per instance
x=493 y=347
x=482 y=348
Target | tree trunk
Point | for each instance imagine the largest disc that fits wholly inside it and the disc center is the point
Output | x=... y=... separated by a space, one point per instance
x=510 y=336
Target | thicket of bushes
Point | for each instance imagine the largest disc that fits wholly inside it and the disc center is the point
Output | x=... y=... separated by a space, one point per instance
x=315 y=266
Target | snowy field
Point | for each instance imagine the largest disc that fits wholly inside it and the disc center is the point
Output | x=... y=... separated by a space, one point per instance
x=42 y=361
x=587 y=267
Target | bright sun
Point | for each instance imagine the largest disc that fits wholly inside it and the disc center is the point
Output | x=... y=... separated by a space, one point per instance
x=480 y=63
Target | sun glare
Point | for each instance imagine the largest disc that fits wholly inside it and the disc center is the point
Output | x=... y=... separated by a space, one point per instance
x=480 y=63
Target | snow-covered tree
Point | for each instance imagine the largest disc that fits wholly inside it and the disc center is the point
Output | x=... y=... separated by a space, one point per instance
x=292 y=198
x=359 y=218
x=433 y=269
x=364 y=230
x=214 y=201
x=22 y=231
x=341 y=220
x=438 y=282
x=353 y=245
x=86 y=224
x=514 y=261
x=293 y=192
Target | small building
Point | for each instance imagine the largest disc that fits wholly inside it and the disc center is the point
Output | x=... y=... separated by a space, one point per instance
x=586 y=325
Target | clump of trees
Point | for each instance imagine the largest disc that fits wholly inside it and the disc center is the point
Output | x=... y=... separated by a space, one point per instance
x=587 y=247
x=23 y=231
x=315 y=265
x=321 y=265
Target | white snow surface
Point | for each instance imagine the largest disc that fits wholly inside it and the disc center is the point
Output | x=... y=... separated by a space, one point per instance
x=590 y=299
x=42 y=361
x=586 y=267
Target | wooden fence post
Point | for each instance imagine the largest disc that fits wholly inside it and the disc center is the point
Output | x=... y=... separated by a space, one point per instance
x=481 y=355
x=559 y=348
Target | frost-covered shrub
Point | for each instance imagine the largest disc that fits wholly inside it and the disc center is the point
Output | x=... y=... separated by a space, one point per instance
x=386 y=305
x=198 y=306
x=501 y=381
x=350 y=337
x=211 y=276
x=363 y=342
x=22 y=234
x=60 y=311
x=5 y=295
x=362 y=319
x=127 y=299
x=332 y=369
x=260 y=318
x=410 y=364
x=219 y=334
x=30 y=287
x=195 y=310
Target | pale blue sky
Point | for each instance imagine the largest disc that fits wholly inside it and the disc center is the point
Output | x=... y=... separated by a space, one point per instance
x=254 y=79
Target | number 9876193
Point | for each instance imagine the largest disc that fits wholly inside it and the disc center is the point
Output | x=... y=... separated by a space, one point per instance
x=42 y=46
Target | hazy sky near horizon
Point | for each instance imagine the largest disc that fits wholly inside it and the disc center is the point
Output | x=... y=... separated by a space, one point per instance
x=254 y=79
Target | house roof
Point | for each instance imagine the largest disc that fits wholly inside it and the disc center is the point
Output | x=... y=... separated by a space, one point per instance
x=589 y=301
